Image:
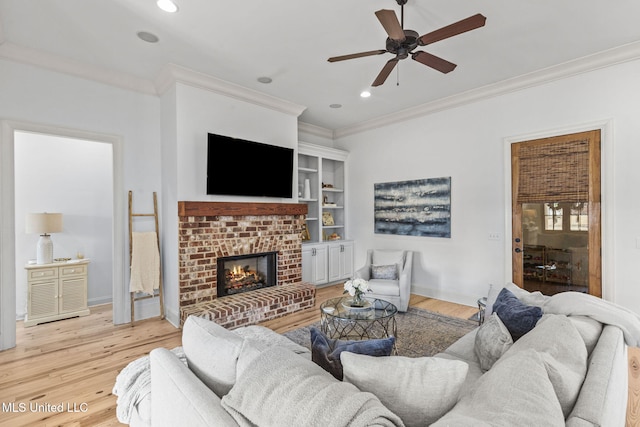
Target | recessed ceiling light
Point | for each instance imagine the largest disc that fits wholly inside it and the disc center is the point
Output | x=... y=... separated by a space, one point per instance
x=265 y=80
x=148 y=37
x=365 y=94
x=167 y=6
x=335 y=105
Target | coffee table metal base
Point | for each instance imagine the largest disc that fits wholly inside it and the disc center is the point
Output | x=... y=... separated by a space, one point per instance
x=338 y=322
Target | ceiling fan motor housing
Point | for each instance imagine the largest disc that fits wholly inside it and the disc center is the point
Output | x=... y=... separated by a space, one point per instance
x=404 y=47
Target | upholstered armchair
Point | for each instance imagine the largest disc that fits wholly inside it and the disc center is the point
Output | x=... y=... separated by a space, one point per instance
x=389 y=275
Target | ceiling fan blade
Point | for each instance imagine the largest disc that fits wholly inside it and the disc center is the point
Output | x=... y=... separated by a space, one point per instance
x=468 y=24
x=433 y=61
x=384 y=73
x=356 y=55
x=391 y=25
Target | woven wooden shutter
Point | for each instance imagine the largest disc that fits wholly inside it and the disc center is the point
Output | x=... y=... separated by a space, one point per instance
x=557 y=172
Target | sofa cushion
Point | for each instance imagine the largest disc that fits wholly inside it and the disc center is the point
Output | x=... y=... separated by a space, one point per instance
x=419 y=390
x=212 y=353
x=564 y=355
x=384 y=287
x=492 y=341
x=326 y=351
x=387 y=272
x=280 y=388
x=589 y=329
x=515 y=392
x=518 y=317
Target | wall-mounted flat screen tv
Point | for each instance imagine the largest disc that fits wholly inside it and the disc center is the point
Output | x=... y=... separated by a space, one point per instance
x=237 y=167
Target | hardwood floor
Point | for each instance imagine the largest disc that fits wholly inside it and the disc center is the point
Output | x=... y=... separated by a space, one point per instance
x=75 y=362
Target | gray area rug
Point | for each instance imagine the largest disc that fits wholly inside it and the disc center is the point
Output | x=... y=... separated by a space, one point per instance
x=420 y=332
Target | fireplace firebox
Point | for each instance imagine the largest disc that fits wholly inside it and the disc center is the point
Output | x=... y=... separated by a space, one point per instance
x=243 y=273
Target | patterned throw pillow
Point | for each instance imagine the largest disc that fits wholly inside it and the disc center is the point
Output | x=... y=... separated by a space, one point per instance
x=325 y=352
x=492 y=341
x=387 y=272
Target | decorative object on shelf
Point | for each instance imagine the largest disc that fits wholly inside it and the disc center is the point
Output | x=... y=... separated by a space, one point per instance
x=327 y=219
x=305 y=232
x=357 y=288
x=44 y=223
x=327 y=185
x=333 y=236
x=307 y=189
x=61 y=259
x=413 y=208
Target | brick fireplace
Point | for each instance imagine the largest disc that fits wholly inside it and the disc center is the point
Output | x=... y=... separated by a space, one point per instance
x=210 y=230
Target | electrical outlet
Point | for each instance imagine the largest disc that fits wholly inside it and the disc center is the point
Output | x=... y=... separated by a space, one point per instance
x=494 y=236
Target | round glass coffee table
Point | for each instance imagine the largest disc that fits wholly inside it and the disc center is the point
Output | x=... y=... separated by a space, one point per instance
x=339 y=321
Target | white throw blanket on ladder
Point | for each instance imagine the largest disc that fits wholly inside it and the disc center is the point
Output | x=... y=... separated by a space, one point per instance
x=145 y=262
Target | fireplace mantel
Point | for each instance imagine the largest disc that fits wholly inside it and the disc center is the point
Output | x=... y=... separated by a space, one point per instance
x=239 y=208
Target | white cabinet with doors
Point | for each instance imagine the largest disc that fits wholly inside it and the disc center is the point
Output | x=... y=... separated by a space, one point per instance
x=340 y=261
x=327 y=262
x=56 y=291
x=315 y=264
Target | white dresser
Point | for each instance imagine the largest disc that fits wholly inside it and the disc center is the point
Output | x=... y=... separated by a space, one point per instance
x=56 y=291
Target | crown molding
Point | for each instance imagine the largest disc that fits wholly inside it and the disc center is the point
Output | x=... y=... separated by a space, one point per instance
x=607 y=58
x=172 y=73
x=310 y=129
x=40 y=58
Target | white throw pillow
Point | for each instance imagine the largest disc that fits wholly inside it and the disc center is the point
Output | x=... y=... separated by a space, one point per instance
x=492 y=341
x=212 y=353
x=515 y=392
x=418 y=390
x=564 y=354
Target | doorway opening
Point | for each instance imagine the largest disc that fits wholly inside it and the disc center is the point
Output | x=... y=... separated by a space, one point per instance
x=556 y=214
x=8 y=258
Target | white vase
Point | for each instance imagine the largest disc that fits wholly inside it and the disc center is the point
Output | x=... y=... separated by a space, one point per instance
x=307 y=189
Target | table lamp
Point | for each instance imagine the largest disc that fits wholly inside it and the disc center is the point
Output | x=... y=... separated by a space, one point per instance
x=44 y=223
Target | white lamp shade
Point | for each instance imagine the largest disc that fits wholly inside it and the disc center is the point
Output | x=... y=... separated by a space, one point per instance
x=43 y=223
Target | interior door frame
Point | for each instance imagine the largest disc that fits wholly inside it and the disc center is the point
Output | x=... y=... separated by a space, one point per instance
x=7 y=220
x=607 y=196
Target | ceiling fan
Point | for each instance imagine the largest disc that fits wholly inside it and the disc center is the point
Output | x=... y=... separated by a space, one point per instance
x=402 y=42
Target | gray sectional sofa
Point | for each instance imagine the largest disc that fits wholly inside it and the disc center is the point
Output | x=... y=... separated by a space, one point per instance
x=568 y=370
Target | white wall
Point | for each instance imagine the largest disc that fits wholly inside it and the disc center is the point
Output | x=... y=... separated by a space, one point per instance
x=198 y=112
x=468 y=144
x=75 y=178
x=40 y=96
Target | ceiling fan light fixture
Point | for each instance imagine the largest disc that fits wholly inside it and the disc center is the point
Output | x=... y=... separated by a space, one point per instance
x=167 y=6
x=365 y=94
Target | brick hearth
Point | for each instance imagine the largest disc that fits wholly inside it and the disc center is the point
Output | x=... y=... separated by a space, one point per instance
x=208 y=230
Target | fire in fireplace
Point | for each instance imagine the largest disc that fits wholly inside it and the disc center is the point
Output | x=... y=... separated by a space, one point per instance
x=244 y=273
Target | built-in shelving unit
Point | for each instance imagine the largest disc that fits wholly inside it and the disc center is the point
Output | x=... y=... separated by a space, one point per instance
x=327 y=255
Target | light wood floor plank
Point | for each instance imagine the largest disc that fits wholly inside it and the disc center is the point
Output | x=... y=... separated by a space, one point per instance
x=76 y=361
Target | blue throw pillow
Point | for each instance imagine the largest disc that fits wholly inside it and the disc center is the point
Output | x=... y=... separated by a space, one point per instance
x=518 y=317
x=325 y=352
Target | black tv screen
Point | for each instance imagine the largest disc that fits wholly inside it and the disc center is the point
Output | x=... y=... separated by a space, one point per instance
x=237 y=167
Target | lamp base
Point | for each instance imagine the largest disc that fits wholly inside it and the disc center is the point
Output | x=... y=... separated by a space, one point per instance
x=44 y=253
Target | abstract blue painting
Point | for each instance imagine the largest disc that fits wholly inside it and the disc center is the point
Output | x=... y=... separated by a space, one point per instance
x=413 y=208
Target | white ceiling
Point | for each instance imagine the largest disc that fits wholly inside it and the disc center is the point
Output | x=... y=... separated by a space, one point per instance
x=290 y=41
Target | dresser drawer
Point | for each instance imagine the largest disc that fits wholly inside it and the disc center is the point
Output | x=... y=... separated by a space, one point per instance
x=42 y=273
x=72 y=270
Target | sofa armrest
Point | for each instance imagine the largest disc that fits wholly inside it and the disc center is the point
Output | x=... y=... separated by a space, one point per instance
x=178 y=397
x=603 y=398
